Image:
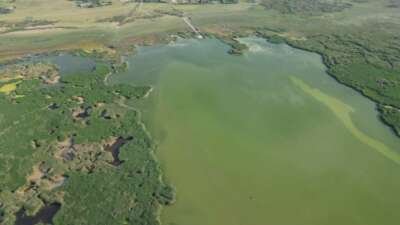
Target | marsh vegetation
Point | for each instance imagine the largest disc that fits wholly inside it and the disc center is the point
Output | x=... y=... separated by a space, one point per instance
x=60 y=145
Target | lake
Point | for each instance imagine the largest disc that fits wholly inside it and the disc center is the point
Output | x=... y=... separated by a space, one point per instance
x=267 y=138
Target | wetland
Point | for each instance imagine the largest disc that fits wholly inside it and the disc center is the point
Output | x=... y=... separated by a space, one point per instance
x=98 y=129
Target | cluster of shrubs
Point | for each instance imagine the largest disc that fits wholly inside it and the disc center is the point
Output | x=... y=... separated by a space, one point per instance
x=305 y=6
x=92 y=3
x=6 y=10
x=6 y=6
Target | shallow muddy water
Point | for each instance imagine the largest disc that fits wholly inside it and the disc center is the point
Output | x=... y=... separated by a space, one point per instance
x=264 y=138
x=44 y=216
x=68 y=63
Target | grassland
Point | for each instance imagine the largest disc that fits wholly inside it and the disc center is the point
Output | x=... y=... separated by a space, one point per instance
x=359 y=41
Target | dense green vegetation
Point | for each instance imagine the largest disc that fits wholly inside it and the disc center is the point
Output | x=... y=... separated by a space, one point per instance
x=5 y=10
x=52 y=150
x=92 y=3
x=391 y=116
x=305 y=6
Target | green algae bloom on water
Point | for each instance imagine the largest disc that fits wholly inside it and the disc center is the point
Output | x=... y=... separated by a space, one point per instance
x=264 y=138
x=342 y=111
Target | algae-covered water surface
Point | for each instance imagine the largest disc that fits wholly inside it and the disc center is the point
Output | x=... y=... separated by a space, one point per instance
x=264 y=138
